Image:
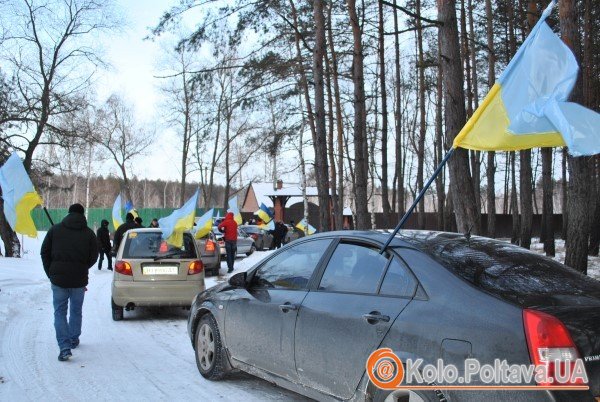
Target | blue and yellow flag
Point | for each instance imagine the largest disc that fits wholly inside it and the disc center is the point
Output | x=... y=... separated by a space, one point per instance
x=204 y=224
x=306 y=227
x=268 y=226
x=264 y=213
x=129 y=209
x=19 y=196
x=179 y=221
x=527 y=107
x=233 y=207
x=116 y=213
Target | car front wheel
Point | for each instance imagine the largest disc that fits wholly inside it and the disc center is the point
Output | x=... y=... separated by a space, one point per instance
x=209 y=349
x=252 y=249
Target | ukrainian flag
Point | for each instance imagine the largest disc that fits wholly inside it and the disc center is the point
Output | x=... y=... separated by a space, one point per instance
x=528 y=108
x=233 y=207
x=306 y=227
x=116 y=213
x=130 y=209
x=19 y=196
x=264 y=213
x=204 y=225
x=268 y=226
x=179 y=221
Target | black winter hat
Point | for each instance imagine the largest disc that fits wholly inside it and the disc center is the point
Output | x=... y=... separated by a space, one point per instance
x=77 y=208
x=104 y=222
x=129 y=217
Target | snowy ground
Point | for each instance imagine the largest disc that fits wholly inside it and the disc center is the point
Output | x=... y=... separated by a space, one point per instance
x=148 y=356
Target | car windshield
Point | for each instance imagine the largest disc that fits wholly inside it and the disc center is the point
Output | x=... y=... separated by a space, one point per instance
x=150 y=245
x=250 y=229
x=512 y=272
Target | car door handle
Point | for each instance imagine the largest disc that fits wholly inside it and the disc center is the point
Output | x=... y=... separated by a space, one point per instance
x=287 y=307
x=375 y=316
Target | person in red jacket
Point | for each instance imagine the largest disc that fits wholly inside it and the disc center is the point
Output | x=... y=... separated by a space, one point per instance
x=229 y=228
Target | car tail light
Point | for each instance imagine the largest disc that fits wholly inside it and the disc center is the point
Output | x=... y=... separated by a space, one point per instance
x=195 y=267
x=550 y=344
x=254 y=236
x=123 y=268
x=222 y=243
x=209 y=245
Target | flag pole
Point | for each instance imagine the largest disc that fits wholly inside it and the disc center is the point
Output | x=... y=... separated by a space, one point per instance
x=410 y=210
x=48 y=215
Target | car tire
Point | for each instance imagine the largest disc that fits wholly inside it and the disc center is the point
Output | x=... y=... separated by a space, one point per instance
x=210 y=355
x=117 y=311
x=252 y=249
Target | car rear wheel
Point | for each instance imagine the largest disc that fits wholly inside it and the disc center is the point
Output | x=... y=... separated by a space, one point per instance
x=117 y=311
x=252 y=249
x=210 y=357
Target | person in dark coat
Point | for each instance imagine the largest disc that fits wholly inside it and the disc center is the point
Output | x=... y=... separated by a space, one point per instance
x=154 y=223
x=229 y=228
x=103 y=236
x=68 y=251
x=279 y=234
x=129 y=224
x=138 y=220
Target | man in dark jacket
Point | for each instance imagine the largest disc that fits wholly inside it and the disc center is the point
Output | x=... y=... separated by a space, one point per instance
x=229 y=228
x=129 y=224
x=103 y=236
x=69 y=250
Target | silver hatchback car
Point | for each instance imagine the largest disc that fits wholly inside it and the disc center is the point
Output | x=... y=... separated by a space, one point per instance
x=150 y=272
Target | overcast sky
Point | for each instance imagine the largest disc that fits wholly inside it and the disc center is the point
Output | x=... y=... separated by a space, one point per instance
x=134 y=64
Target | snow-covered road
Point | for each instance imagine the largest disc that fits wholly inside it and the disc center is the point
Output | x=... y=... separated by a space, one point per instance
x=148 y=356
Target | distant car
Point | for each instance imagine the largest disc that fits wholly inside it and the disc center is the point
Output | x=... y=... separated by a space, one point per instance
x=210 y=253
x=150 y=272
x=308 y=316
x=262 y=238
x=292 y=234
x=245 y=243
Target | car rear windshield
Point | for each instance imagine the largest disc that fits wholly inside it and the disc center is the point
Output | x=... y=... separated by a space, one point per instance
x=143 y=245
x=249 y=229
x=514 y=273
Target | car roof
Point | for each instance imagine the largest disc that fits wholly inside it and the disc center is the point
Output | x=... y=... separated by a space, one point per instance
x=150 y=230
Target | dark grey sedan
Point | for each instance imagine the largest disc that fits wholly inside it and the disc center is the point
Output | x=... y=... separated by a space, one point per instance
x=309 y=315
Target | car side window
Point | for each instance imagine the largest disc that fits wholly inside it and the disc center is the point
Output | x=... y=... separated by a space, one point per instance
x=292 y=268
x=398 y=281
x=353 y=268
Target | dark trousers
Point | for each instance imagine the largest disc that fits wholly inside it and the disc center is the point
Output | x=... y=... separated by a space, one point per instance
x=276 y=242
x=101 y=253
x=231 y=251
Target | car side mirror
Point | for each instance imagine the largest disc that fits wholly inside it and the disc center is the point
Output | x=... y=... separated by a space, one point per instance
x=238 y=280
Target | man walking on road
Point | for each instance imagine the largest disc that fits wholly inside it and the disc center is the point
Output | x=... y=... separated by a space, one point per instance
x=69 y=250
x=229 y=228
x=103 y=236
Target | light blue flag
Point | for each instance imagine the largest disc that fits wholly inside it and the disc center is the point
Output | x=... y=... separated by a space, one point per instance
x=116 y=213
x=179 y=221
x=536 y=87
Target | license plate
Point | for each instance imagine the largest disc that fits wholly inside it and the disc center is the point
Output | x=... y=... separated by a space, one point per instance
x=160 y=270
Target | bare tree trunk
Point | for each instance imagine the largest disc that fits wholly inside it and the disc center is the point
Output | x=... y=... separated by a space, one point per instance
x=564 y=194
x=320 y=141
x=514 y=202
x=339 y=219
x=491 y=156
x=461 y=184
x=385 y=197
x=12 y=247
x=547 y=203
x=361 y=157
x=398 y=117
x=330 y=148
x=525 y=198
x=578 y=229
x=422 y=120
x=439 y=142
